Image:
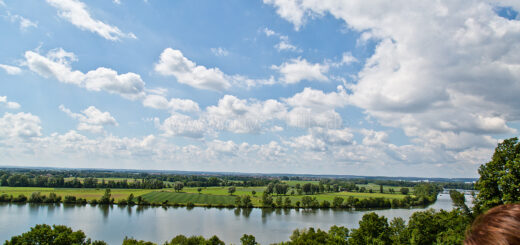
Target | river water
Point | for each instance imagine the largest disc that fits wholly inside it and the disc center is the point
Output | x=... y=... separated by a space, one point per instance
x=157 y=224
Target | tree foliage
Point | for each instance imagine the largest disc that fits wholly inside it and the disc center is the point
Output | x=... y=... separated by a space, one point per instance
x=499 y=181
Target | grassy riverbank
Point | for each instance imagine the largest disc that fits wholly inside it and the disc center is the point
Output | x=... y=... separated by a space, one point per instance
x=86 y=193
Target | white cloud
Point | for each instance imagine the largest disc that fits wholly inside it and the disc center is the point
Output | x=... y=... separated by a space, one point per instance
x=446 y=68
x=318 y=99
x=284 y=44
x=91 y=119
x=21 y=125
x=9 y=104
x=160 y=102
x=242 y=116
x=22 y=21
x=117 y=1
x=76 y=13
x=173 y=63
x=297 y=70
x=56 y=64
x=219 y=51
x=182 y=125
x=11 y=70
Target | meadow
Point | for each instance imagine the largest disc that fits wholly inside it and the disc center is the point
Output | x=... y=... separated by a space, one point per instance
x=207 y=195
x=87 y=193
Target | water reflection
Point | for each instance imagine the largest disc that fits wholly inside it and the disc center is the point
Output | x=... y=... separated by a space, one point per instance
x=112 y=224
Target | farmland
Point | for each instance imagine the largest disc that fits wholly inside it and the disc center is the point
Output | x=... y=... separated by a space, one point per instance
x=85 y=193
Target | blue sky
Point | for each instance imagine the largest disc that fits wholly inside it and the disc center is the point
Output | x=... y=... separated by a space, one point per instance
x=332 y=87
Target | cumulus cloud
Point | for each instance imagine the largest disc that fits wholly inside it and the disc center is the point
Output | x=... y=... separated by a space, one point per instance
x=56 y=64
x=11 y=70
x=182 y=125
x=77 y=14
x=173 y=63
x=91 y=119
x=21 y=125
x=160 y=102
x=445 y=68
x=297 y=70
x=8 y=104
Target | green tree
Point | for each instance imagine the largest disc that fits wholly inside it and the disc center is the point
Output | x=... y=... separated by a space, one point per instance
x=199 y=190
x=248 y=240
x=247 y=202
x=381 y=189
x=178 y=186
x=253 y=192
x=372 y=230
x=231 y=190
x=459 y=201
x=404 y=191
x=499 y=181
x=106 y=198
x=57 y=234
x=337 y=202
x=267 y=200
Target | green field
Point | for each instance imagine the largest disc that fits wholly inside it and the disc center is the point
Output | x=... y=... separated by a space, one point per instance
x=208 y=195
x=86 y=193
x=184 y=198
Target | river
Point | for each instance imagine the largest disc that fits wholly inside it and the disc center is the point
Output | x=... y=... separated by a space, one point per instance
x=157 y=224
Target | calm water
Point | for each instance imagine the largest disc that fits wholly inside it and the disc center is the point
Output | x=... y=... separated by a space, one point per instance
x=112 y=224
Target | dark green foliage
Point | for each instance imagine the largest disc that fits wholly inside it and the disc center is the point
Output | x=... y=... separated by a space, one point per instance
x=428 y=227
x=131 y=241
x=248 y=240
x=232 y=190
x=178 y=186
x=404 y=191
x=372 y=230
x=57 y=234
x=337 y=202
x=194 y=240
x=499 y=181
x=106 y=198
x=336 y=235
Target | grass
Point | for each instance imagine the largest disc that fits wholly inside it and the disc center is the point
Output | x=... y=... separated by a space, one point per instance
x=86 y=193
x=182 y=197
x=209 y=195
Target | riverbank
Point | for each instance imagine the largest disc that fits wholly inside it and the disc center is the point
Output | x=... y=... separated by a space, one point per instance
x=112 y=223
x=208 y=197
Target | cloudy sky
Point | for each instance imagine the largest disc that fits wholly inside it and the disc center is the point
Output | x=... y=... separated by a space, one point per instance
x=395 y=88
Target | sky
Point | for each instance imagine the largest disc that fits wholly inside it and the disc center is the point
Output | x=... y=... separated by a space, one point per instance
x=379 y=88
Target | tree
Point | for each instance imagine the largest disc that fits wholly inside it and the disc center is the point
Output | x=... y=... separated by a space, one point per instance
x=246 y=202
x=57 y=234
x=199 y=190
x=248 y=240
x=372 y=230
x=106 y=198
x=178 y=186
x=307 y=188
x=231 y=190
x=337 y=202
x=404 y=191
x=459 y=201
x=381 y=189
x=267 y=200
x=499 y=181
x=253 y=192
